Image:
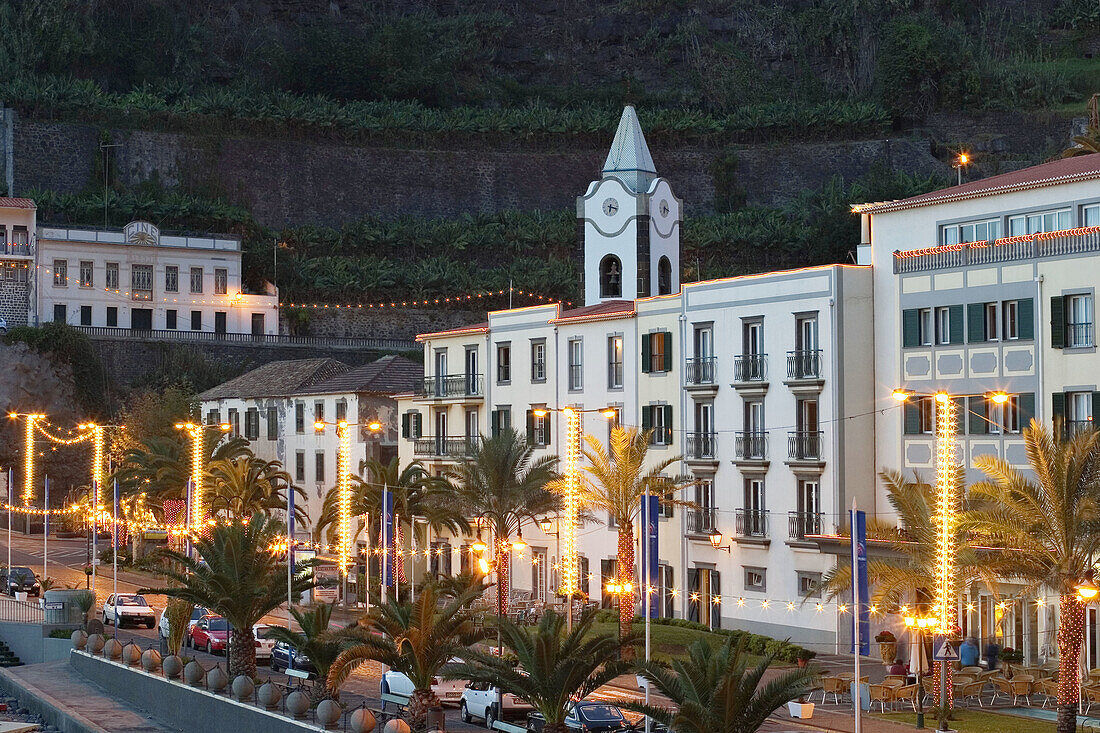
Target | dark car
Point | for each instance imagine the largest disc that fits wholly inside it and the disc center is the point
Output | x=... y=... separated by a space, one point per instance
x=589 y=717
x=284 y=656
x=20 y=580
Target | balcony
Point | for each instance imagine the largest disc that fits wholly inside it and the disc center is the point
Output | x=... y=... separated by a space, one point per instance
x=17 y=249
x=441 y=447
x=700 y=372
x=701 y=520
x=752 y=523
x=750 y=368
x=1005 y=249
x=751 y=445
x=803 y=524
x=1078 y=335
x=804 y=445
x=701 y=446
x=804 y=364
x=451 y=385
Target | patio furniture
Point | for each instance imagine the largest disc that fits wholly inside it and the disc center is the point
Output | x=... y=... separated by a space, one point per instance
x=882 y=694
x=1090 y=694
x=835 y=686
x=967 y=688
x=1049 y=689
x=891 y=678
x=974 y=672
x=1021 y=685
x=907 y=693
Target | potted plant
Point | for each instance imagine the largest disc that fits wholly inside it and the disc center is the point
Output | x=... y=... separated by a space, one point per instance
x=800 y=708
x=804 y=656
x=887 y=646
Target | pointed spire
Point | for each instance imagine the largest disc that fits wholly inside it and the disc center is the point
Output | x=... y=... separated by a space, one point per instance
x=629 y=159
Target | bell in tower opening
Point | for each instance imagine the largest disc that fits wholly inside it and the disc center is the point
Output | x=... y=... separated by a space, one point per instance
x=630 y=223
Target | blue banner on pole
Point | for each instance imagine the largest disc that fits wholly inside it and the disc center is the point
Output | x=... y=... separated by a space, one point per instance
x=387 y=536
x=114 y=530
x=46 y=507
x=652 y=513
x=859 y=573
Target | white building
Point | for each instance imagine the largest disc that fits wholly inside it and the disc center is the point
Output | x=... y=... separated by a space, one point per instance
x=762 y=383
x=276 y=405
x=980 y=288
x=130 y=278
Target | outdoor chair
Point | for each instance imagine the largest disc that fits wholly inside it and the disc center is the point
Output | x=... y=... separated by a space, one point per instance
x=974 y=672
x=1090 y=694
x=835 y=686
x=967 y=688
x=891 y=678
x=881 y=694
x=1049 y=689
x=907 y=693
x=1021 y=685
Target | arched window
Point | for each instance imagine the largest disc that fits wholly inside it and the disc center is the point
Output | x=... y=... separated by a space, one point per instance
x=664 y=277
x=611 y=277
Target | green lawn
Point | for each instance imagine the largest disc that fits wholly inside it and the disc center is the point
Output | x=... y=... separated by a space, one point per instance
x=976 y=721
x=668 y=642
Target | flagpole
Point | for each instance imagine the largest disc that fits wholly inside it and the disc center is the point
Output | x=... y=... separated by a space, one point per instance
x=648 y=580
x=856 y=691
x=11 y=477
x=289 y=547
x=385 y=540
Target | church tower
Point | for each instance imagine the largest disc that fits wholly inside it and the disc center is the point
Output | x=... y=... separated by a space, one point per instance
x=630 y=223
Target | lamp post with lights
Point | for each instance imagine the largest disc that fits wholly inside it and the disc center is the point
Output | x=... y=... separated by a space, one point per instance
x=961 y=161
x=345 y=551
x=197 y=433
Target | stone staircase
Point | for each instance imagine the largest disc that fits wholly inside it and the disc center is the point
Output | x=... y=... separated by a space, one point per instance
x=7 y=658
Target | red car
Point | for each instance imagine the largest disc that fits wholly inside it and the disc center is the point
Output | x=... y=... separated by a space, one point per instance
x=210 y=633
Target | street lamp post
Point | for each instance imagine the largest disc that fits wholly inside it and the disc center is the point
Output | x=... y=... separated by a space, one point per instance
x=197 y=433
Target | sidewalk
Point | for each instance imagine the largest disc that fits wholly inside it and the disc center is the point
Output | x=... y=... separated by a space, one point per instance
x=69 y=702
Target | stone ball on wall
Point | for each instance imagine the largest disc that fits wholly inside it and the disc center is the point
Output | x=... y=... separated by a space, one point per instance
x=328 y=712
x=172 y=666
x=217 y=679
x=362 y=721
x=396 y=725
x=243 y=687
x=269 y=695
x=297 y=703
x=79 y=639
x=95 y=643
x=194 y=673
x=112 y=649
x=150 y=660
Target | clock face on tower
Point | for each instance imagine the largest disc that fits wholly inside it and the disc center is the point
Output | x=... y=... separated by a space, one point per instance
x=610 y=206
x=663 y=208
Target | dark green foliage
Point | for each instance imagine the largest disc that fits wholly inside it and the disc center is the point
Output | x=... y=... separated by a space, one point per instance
x=69 y=346
x=756 y=644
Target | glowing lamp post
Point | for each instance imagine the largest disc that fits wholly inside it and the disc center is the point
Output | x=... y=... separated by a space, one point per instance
x=196 y=431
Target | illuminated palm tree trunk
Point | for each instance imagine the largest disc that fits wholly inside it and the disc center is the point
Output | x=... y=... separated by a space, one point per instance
x=501 y=563
x=1070 y=635
x=626 y=580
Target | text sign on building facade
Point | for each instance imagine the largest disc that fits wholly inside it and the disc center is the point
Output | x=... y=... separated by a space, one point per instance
x=141 y=232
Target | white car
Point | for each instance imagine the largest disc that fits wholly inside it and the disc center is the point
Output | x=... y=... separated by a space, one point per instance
x=128 y=608
x=3 y=327
x=481 y=700
x=449 y=692
x=264 y=642
x=196 y=614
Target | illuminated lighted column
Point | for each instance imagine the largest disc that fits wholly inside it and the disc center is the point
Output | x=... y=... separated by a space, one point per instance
x=946 y=506
x=97 y=463
x=343 y=485
x=195 y=432
x=569 y=561
x=28 y=460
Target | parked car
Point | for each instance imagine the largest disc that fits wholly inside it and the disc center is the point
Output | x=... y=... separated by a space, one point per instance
x=210 y=633
x=590 y=717
x=128 y=608
x=3 y=327
x=449 y=692
x=197 y=613
x=264 y=643
x=20 y=580
x=284 y=656
x=481 y=700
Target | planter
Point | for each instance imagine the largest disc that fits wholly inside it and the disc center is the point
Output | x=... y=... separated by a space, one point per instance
x=70 y=612
x=888 y=650
x=803 y=710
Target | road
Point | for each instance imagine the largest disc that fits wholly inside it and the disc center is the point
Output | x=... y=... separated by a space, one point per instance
x=67 y=558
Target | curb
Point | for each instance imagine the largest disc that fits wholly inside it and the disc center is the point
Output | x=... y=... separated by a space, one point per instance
x=53 y=711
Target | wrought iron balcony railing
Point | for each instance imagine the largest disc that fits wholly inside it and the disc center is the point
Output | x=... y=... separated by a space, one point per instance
x=804 y=445
x=451 y=385
x=461 y=447
x=804 y=364
x=803 y=524
x=701 y=445
x=751 y=445
x=701 y=520
x=750 y=368
x=752 y=523
x=700 y=371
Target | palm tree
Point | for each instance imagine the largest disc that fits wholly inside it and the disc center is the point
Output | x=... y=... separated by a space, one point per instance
x=315 y=641
x=1047 y=531
x=502 y=485
x=239 y=576
x=246 y=485
x=714 y=691
x=416 y=494
x=416 y=639
x=555 y=667
x=618 y=481
x=161 y=466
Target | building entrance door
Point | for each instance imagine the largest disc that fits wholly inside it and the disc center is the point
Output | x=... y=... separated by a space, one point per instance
x=141 y=319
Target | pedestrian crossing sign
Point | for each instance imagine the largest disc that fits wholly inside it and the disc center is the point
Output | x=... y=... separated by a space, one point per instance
x=945 y=651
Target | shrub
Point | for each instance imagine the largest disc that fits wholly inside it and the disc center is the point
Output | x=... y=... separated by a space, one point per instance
x=757 y=644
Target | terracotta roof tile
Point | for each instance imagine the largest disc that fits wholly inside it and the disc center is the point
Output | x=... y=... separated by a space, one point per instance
x=1065 y=170
x=389 y=375
x=609 y=308
x=16 y=203
x=277 y=379
x=472 y=328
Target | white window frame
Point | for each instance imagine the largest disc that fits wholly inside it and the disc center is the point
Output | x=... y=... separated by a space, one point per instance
x=171 y=278
x=111 y=282
x=221 y=281
x=925 y=326
x=538 y=361
x=943 y=325
x=992 y=314
x=1051 y=220
x=576 y=364
x=61 y=273
x=662 y=434
x=1079 y=312
x=196 y=275
x=980 y=230
x=87 y=274
x=615 y=361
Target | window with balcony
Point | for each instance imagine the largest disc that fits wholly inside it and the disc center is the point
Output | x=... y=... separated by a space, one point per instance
x=221 y=281
x=576 y=364
x=658 y=418
x=21 y=238
x=1079 y=321
x=504 y=363
x=614 y=362
x=808 y=519
x=61 y=273
x=656 y=352
x=971 y=231
x=473 y=376
x=171 y=279
x=111 y=280
x=141 y=282
x=752 y=442
x=1090 y=216
x=701 y=517
x=1078 y=411
x=805 y=441
x=86 y=269
x=1042 y=221
x=700 y=368
x=702 y=443
x=752 y=520
x=196 y=279
x=804 y=362
x=538 y=360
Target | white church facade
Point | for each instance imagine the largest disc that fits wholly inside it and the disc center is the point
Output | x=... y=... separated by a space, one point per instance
x=762 y=385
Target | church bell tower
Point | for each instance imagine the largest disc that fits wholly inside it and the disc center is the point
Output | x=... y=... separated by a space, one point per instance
x=630 y=221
